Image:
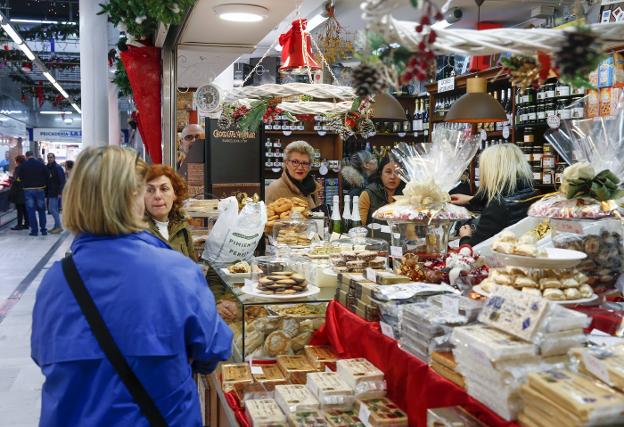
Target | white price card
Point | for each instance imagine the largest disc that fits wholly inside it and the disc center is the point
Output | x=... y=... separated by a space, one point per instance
x=506 y=132
x=386 y=330
x=450 y=304
x=396 y=251
x=596 y=367
x=256 y=370
x=364 y=415
x=385 y=229
x=371 y=274
x=447 y=84
x=249 y=283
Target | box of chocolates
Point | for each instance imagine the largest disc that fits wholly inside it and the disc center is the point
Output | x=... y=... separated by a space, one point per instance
x=265 y=413
x=378 y=412
x=295 y=368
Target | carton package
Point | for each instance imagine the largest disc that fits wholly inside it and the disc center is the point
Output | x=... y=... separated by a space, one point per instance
x=380 y=412
x=293 y=398
x=295 y=368
x=268 y=375
x=330 y=390
x=307 y=419
x=592 y=103
x=609 y=99
x=233 y=374
x=337 y=418
x=611 y=71
x=321 y=356
x=362 y=376
x=265 y=413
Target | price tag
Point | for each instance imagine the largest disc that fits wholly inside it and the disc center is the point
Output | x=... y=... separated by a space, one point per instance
x=396 y=251
x=364 y=414
x=249 y=283
x=385 y=229
x=596 y=367
x=256 y=370
x=450 y=304
x=506 y=132
x=371 y=275
x=447 y=84
x=554 y=121
x=387 y=330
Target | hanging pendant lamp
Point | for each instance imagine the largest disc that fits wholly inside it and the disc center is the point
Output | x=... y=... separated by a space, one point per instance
x=476 y=106
x=387 y=107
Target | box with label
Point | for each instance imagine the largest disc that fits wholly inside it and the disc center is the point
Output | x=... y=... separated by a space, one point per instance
x=451 y=416
x=609 y=100
x=233 y=374
x=336 y=418
x=592 y=103
x=293 y=398
x=611 y=72
x=268 y=375
x=321 y=356
x=307 y=419
x=367 y=312
x=389 y=278
x=265 y=413
x=362 y=376
x=380 y=412
x=295 y=368
x=330 y=390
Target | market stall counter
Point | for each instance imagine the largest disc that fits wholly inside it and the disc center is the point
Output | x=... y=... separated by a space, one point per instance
x=268 y=325
x=412 y=384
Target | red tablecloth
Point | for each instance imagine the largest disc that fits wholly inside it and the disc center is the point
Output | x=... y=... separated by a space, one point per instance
x=411 y=383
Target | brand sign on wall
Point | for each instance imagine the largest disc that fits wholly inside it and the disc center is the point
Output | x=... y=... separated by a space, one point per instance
x=57 y=134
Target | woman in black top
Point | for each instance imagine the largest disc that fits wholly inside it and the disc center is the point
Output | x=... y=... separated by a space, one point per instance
x=506 y=187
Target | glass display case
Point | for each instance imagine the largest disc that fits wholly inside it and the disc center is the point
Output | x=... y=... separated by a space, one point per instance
x=296 y=232
x=264 y=326
x=424 y=239
x=357 y=252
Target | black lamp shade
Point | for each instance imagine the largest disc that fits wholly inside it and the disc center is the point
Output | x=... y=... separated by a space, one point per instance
x=476 y=106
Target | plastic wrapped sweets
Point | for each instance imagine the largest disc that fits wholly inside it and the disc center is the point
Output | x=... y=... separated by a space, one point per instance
x=265 y=413
x=362 y=376
x=295 y=398
x=330 y=390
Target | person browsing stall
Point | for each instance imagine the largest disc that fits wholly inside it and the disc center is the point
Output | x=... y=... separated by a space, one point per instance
x=504 y=195
x=296 y=179
x=385 y=184
x=154 y=302
x=56 y=182
x=356 y=174
x=33 y=175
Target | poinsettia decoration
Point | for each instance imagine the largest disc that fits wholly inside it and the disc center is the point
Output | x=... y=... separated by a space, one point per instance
x=527 y=71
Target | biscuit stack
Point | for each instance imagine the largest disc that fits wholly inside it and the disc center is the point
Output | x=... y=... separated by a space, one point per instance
x=555 y=285
x=284 y=207
x=508 y=243
x=357 y=261
x=294 y=235
x=282 y=283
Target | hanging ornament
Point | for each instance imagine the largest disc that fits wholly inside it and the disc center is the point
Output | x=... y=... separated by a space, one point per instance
x=39 y=92
x=27 y=67
x=297 y=56
x=579 y=54
x=422 y=64
x=332 y=40
x=523 y=71
x=367 y=80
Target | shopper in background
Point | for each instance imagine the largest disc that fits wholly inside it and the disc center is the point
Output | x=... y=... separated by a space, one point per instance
x=385 y=184
x=355 y=175
x=33 y=175
x=154 y=301
x=69 y=165
x=6 y=163
x=506 y=187
x=56 y=182
x=165 y=193
x=296 y=180
x=16 y=196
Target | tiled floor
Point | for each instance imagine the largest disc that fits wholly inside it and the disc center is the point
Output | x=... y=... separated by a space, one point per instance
x=21 y=271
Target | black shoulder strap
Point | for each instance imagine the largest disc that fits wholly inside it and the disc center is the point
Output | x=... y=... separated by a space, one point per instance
x=107 y=343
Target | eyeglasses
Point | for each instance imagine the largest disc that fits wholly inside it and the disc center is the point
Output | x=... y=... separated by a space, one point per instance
x=297 y=163
x=191 y=137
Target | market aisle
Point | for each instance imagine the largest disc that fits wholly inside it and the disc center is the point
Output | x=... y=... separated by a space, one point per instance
x=23 y=262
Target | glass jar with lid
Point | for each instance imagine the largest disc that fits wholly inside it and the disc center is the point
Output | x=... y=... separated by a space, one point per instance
x=577 y=108
x=550 y=109
x=559 y=172
x=563 y=110
x=357 y=252
x=550 y=91
x=531 y=114
x=549 y=158
x=541 y=113
x=296 y=232
x=562 y=90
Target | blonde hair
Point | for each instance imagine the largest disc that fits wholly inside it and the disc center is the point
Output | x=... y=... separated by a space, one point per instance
x=101 y=192
x=502 y=168
x=300 y=147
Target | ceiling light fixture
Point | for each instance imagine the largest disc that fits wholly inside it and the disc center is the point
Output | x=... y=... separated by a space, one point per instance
x=55 y=112
x=315 y=21
x=387 y=107
x=48 y=76
x=39 y=21
x=241 y=12
x=11 y=32
x=78 y=110
x=60 y=89
x=24 y=47
x=476 y=106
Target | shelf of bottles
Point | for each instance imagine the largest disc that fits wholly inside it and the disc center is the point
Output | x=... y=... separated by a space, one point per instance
x=415 y=127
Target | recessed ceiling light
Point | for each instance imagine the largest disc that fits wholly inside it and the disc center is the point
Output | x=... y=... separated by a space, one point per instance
x=241 y=12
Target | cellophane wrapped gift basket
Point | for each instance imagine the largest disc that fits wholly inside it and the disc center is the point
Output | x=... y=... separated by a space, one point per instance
x=421 y=218
x=586 y=213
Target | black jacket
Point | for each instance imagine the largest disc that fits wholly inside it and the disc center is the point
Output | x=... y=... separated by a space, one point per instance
x=378 y=198
x=500 y=213
x=353 y=182
x=16 y=193
x=56 y=180
x=33 y=174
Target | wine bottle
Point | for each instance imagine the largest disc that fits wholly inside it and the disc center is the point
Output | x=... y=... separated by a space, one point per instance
x=336 y=222
x=356 y=221
x=416 y=115
x=346 y=214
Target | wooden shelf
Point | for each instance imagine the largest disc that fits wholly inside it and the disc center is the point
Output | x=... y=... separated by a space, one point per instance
x=298 y=132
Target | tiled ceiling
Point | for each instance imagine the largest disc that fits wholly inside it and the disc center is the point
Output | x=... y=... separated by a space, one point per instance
x=53 y=10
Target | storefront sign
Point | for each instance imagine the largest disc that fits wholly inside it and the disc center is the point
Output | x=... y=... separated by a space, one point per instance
x=57 y=135
x=232 y=155
x=445 y=85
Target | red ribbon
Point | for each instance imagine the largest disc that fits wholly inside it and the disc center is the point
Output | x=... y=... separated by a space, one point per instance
x=39 y=91
x=293 y=54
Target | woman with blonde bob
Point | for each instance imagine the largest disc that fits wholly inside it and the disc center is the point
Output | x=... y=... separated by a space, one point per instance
x=154 y=301
x=506 y=187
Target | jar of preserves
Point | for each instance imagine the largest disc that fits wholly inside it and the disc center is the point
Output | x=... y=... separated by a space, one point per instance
x=549 y=159
x=536 y=157
x=541 y=113
x=563 y=110
x=550 y=109
x=531 y=114
x=559 y=172
x=550 y=91
x=548 y=176
x=562 y=90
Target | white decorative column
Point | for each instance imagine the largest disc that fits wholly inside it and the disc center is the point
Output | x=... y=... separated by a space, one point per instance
x=93 y=74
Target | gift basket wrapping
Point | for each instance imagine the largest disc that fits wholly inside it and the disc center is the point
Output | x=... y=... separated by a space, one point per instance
x=421 y=218
x=586 y=213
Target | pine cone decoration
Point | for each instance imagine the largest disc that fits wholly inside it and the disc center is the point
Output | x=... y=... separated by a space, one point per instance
x=367 y=80
x=225 y=121
x=366 y=128
x=579 y=54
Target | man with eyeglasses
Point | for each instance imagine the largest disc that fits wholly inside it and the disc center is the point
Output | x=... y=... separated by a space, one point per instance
x=56 y=182
x=296 y=180
x=190 y=134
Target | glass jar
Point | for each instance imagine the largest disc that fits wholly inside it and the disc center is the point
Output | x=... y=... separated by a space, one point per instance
x=423 y=239
x=357 y=252
x=541 y=113
x=562 y=90
x=549 y=159
x=530 y=96
x=550 y=91
x=541 y=94
x=559 y=172
x=548 y=176
x=531 y=114
x=577 y=108
x=563 y=110
x=529 y=136
x=295 y=232
x=550 y=109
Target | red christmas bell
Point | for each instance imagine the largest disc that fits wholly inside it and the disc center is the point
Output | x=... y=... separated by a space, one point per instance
x=296 y=58
x=26 y=67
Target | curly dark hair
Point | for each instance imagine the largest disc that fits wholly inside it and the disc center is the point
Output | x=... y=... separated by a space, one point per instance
x=177 y=182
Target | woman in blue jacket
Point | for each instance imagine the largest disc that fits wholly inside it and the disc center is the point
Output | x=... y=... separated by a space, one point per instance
x=154 y=300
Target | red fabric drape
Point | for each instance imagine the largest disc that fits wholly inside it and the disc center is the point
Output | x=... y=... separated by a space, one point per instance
x=143 y=68
x=480 y=63
x=411 y=383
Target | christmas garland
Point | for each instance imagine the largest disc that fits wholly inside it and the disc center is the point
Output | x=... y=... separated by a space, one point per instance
x=140 y=18
x=17 y=58
x=48 y=31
